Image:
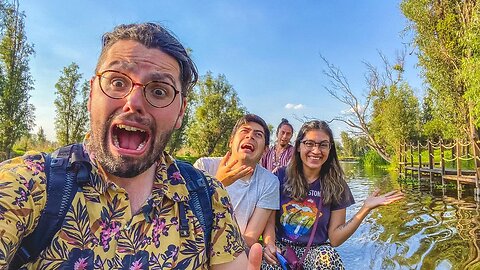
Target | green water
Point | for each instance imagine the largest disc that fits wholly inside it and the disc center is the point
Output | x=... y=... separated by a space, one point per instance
x=430 y=229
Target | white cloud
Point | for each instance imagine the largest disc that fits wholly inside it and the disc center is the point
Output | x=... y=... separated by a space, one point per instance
x=294 y=106
x=350 y=110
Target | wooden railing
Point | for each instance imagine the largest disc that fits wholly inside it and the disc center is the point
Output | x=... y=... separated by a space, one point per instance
x=458 y=161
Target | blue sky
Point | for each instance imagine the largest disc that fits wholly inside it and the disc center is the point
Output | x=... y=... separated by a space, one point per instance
x=268 y=50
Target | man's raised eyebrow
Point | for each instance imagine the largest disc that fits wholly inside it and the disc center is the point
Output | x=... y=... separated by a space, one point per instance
x=259 y=130
x=161 y=77
x=126 y=67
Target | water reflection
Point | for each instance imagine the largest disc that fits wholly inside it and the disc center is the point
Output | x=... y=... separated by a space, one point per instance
x=432 y=228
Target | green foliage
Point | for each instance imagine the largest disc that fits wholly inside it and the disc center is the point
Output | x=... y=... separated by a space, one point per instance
x=446 y=36
x=178 y=138
x=71 y=119
x=41 y=137
x=372 y=158
x=32 y=142
x=396 y=116
x=187 y=158
x=217 y=109
x=16 y=113
x=352 y=147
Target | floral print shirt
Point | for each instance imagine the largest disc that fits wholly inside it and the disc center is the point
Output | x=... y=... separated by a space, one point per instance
x=99 y=231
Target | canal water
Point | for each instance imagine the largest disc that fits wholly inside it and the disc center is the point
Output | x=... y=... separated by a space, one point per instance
x=432 y=228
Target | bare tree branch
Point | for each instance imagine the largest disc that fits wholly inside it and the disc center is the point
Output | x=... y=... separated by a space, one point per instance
x=359 y=114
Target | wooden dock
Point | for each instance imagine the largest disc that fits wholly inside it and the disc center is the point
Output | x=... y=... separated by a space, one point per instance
x=453 y=161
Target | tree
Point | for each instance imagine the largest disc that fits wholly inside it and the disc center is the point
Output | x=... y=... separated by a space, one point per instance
x=179 y=136
x=41 y=137
x=395 y=117
x=16 y=113
x=71 y=119
x=389 y=113
x=218 y=108
x=446 y=36
x=347 y=144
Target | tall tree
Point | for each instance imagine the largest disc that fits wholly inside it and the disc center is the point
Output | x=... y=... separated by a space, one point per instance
x=16 y=113
x=217 y=110
x=446 y=36
x=389 y=113
x=41 y=137
x=71 y=118
x=348 y=144
x=178 y=138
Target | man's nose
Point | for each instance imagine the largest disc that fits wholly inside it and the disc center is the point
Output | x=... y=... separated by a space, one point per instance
x=135 y=100
x=250 y=134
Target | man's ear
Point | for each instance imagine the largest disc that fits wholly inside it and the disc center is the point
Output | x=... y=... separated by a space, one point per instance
x=181 y=113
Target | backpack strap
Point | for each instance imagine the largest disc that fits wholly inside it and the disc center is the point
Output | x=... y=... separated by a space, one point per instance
x=66 y=170
x=200 y=193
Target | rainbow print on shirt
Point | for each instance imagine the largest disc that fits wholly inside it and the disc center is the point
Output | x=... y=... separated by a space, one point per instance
x=298 y=217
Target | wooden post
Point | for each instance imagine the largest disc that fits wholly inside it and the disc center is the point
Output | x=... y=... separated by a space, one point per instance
x=405 y=158
x=419 y=161
x=430 y=160
x=459 y=164
x=476 y=156
x=458 y=161
x=400 y=159
x=442 y=163
x=411 y=160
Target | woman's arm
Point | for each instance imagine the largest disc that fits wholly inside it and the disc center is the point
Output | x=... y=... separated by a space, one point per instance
x=339 y=230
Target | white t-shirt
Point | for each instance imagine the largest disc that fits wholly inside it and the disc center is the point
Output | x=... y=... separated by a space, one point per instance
x=262 y=190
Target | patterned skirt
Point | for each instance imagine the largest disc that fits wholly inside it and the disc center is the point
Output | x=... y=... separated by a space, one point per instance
x=318 y=257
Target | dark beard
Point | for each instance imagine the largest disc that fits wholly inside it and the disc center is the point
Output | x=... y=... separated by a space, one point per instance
x=125 y=167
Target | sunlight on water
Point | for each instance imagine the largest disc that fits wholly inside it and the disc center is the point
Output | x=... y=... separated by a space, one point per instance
x=430 y=229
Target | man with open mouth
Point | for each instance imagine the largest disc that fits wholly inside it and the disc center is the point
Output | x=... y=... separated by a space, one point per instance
x=254 y=191
x=128 y=214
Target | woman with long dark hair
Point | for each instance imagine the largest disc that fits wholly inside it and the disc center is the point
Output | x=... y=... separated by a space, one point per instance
x=313 y=200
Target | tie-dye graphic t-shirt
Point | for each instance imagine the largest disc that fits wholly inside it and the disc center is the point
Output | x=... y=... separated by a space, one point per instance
x=295 y=219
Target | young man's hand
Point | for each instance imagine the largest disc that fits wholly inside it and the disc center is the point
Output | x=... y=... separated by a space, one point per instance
x=227 y=173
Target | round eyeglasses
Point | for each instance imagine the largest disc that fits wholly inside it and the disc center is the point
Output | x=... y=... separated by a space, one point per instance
x=118 y=85
x=323 y=145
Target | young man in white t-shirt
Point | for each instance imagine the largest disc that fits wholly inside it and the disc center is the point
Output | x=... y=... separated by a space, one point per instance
x=253 y=190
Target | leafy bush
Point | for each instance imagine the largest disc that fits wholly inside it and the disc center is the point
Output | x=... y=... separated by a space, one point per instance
x=372 y=158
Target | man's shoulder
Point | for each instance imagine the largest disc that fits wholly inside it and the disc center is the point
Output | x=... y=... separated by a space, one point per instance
x=264 y=172
x=266 y=176
x=208 y=164
x=209 y=160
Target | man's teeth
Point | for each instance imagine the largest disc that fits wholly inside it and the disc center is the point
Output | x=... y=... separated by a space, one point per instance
x=115 y=141
x=140 y=146
x=130 y=128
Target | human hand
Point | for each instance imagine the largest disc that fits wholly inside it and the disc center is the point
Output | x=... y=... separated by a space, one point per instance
x=270 y=254
x=375 y=200
x=227 y=174
x=255 y=257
